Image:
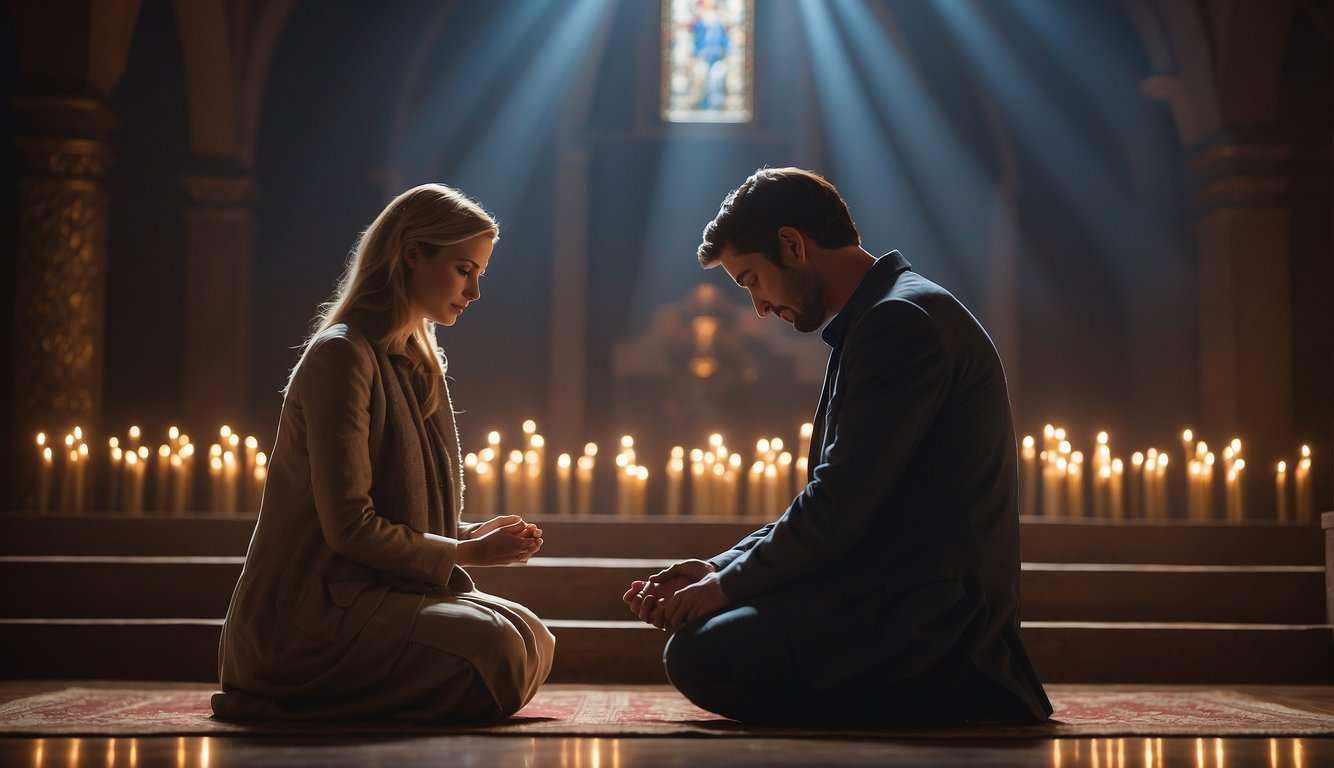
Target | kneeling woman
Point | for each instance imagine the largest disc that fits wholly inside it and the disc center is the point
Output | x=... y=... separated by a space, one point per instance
x=354 y=603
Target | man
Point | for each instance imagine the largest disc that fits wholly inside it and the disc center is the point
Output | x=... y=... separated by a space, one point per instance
x=888 y=592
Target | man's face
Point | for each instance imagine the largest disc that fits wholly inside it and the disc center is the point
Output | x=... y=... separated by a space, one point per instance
x=793 y=292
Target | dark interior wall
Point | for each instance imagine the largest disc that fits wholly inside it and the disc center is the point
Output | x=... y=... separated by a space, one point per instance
x=146 y=233
x=9 y=226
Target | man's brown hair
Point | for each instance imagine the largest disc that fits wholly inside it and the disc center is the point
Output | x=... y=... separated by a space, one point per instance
x=751 y=215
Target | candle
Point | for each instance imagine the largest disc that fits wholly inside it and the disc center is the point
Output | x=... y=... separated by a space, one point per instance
x=134 y=502
x=1151 y=484
x=641 y=490
x=1136 y=484
x=1304 y=504
x=1117 y=488
x=1028 y=477
x=250 y=498
x=1236 y=474
x=754 y=486
x=177 y=487
x=215 y=479
x=1281 y=491
x=698 y=490
x=160 y=479
x=1188 y=443
x=44 y=486
x=80 y=477
x=564 y=468
x=512 y=480
x=584 y=484
x=675 y=475
x=1075 y=484
x=185 y=479
x=804 y=450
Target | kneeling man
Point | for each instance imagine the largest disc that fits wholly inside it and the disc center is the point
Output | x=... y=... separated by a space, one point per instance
x=888 y=591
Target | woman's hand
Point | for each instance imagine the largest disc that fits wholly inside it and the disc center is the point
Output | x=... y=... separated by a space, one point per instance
x=500 y=541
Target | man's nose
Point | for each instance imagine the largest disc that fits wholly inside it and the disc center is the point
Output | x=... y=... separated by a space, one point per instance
x=762 y=307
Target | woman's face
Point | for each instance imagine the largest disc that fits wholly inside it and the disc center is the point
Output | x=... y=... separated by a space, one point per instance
x=440 y=287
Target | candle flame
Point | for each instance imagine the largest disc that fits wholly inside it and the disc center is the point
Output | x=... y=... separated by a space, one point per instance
x=563 y=461
x=251 y=442
x=46 y=454
x=1306 y=451
x=678 y=452
x=529 y=427
x=1187 y=436
x=807 y=429
x=493 y=438
x=1282 y=467
x=1028 y=441
x=1102 y=438
x=715 y=440
x=41 y=439
x=627 y=441
x=590 y=449
x=135 y=432
x=225 y=431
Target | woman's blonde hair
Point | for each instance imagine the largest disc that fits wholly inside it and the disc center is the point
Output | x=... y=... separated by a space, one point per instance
x=375 y=280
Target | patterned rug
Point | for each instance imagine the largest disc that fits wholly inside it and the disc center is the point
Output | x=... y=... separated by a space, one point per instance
x=1081 y=711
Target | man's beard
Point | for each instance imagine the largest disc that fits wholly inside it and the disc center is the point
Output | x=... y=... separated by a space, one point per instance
x=807 y=306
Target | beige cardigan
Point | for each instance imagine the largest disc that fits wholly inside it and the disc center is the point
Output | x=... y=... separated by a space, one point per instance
x=358 y=524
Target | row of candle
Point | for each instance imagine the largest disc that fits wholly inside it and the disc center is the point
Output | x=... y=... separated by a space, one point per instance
x=237 y=470
x=1144 y=492
x=716 y=477
x=720 y=482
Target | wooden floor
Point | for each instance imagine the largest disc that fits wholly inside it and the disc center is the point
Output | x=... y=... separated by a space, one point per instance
x=691 y=752
x=487 y=751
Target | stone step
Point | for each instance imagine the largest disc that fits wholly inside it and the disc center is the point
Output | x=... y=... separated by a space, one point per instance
x=629 y=652
x=591 y=588
x=1043 y=540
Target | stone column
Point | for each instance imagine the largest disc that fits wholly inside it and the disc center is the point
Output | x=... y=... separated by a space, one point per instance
x=60 y=296
x=1244 y=233
x=220 y=234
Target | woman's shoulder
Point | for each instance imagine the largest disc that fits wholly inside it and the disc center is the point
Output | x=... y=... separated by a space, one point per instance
x=340 y=346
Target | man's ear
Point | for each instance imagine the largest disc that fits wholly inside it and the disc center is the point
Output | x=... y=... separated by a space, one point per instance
x=791 y=246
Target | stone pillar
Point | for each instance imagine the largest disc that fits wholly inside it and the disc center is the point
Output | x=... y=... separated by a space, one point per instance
x=1246 y=363
x=220 y=234
x=60 y=296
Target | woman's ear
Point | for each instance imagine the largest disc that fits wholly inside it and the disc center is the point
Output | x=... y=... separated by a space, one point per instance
x=412 y=253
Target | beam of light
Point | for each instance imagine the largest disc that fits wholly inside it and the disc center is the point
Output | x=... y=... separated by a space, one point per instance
x=443 y=112
x=936 y=160
x=864 y=168
x=1085 y=180
x=510 y=148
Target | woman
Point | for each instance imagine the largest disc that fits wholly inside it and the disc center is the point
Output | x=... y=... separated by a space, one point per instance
x=353 y=603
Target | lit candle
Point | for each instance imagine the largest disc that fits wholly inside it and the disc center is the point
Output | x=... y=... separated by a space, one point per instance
x=803 y=453
x=564 y=467
x=134 y=501
x=44 y=487
x=1136 y=485
x=1117 y=487
x=1075 y=484
x=733 y=484
x=698 y=490
x=80 y=477
x=185 y=499
x=1188 y=443
x=1238 y=474
x=1028 y=477
x=1305 y=506
x=641 y=490
x=250 y=499
x=513 y=481
x=177 y=486
x=161 y=479
x=1281 y=491
x=676 y=465
x=215 y=479
x=584 y=485
x=533 y=488
x=1151 y=484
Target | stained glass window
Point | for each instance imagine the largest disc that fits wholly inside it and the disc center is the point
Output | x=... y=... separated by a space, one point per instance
x=707 y=72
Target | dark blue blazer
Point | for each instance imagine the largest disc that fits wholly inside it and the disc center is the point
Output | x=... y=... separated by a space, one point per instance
x=900 y=558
